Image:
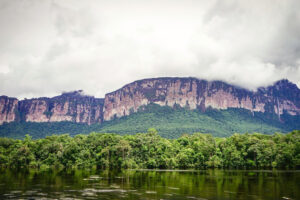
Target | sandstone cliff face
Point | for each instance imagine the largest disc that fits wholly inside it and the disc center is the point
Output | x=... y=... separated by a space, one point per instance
x=200 y=94
x=34 y=110
x=8 y=109
x=282 y=97
x=72 y=107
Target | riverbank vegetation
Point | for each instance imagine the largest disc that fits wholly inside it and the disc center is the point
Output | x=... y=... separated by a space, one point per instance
x=149 y=151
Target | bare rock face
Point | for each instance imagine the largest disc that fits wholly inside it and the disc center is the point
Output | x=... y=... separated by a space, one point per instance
x=281 y=98
x=193 y=93
x=34 y=110
x=73 y=107
x=8 y=109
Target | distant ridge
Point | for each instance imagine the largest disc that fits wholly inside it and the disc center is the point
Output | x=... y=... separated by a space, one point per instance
x=281 y=99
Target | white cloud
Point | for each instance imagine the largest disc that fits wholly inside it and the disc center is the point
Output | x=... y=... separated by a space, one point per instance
x=47 y=47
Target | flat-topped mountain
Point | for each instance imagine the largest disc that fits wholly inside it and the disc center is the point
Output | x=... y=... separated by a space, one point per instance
x=193 y=93
x=70 y=106
x=190 y=93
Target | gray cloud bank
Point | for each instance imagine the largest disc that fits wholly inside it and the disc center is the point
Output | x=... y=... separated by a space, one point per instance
x=50 y=46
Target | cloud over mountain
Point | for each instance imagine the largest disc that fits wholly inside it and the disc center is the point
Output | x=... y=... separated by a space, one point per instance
x=49 y=46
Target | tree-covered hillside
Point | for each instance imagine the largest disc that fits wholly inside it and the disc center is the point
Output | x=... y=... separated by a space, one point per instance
x=170 y=123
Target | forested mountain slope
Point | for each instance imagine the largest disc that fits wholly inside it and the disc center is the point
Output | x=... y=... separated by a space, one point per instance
x=170 y=122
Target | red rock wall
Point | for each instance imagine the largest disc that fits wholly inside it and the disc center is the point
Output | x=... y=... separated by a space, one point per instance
x=192 y=93
x=188 y=92
x=8 y=109
x=79 y=109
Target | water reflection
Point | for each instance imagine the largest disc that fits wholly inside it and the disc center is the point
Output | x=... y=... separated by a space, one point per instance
x=147 y=184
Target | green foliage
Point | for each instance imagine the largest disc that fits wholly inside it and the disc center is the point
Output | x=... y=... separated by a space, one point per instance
x=170 y=123
x=150 y=150
x=39 y=130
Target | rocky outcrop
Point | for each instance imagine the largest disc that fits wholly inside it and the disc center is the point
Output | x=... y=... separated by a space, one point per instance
x=34 y=110
x=8 y=109
x=191 y=93
x=77 y=108
x=73 y=106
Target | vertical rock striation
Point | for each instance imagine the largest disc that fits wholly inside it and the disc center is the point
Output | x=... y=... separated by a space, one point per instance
x=8 y=109
x=281 y=98
x=72 y=106
x=194 y=93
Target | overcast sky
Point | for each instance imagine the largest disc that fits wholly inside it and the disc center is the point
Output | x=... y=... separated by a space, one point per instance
x=49 y=46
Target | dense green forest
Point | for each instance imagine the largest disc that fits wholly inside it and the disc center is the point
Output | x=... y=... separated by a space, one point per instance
x=172 y=122
x=169 y=122
x=150 y=150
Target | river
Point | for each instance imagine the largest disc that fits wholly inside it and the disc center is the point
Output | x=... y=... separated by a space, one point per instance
x=149 y=184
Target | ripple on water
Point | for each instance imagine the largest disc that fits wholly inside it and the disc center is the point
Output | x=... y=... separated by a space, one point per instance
x=57 y=193
x=15 y=191
x=173 y=188
x=9 y=195
x=103 y=190
x=151 y=192
x=286 y=198
x=30 y=192
x=190 y=197
x=41 y=194
x=93 y=178
x=88 y=194
x=137 y=193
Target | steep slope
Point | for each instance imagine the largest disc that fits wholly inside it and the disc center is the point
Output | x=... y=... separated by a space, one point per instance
x=173 y=122
x=8 y=109
x=72 y=106
x=194 y=93
x=170 y=123
x=173 y=105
